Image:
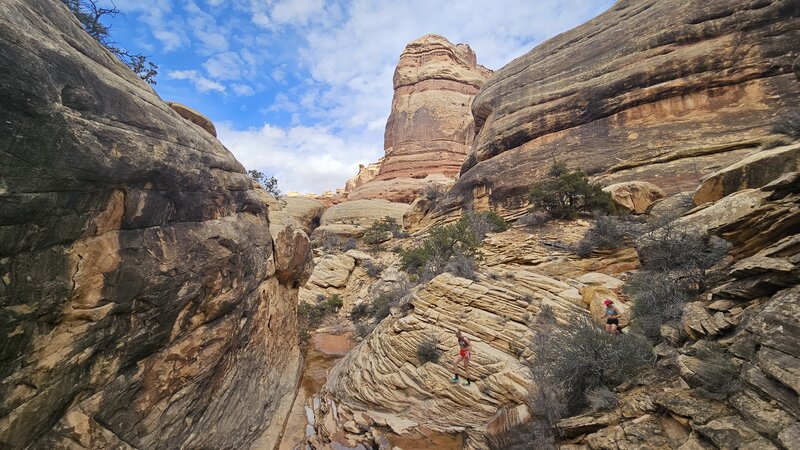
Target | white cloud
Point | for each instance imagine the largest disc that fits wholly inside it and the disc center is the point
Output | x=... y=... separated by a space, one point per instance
x=305 y=159
x=242 y=89
x=200 y=82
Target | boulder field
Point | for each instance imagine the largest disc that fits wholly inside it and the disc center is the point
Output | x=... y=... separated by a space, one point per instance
x=147 y=291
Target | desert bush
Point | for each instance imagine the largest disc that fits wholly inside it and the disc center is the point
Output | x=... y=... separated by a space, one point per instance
x=349 y=244
x=310 y=316
x=461 y=265
x=428 y=351
x=363 y=329
x=378 y=231
x=582 y=356
x=485 y=222
x=788 y=124
x=373 y=269
x=382 y=305
x=601 y=398
x=433 y=192
x=656 y=300
x=359 y=312
x=606 y=232
x=566 y=194
x=535 y=219
x=451 y=248
x=333 y=243
x=716 y=376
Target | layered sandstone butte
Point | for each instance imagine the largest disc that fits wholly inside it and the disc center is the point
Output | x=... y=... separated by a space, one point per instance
x=663 y=91
x=147 y=291
x=430 y=129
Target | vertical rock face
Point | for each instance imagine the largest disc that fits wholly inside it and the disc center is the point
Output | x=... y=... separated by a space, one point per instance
x=430 y=128
x=147 y=292
x=662 y=91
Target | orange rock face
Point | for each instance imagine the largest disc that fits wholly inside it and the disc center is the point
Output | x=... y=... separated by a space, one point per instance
x=651 y=90
x=430 y=128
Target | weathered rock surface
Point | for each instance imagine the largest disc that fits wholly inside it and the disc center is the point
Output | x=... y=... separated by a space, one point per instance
x=383 y=374
x=194 y=116
x=663 y=91
x=430 y=128
x=308 y=212
x=352 y=218
x=148 y=292
x=634 y=196
x=755 y=171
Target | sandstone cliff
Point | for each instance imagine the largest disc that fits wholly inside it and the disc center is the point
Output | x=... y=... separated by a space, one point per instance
x=430 y=128
x=148 y=293
x=651 y=90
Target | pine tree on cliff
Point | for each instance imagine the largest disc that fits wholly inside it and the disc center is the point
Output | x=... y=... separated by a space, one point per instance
x=90 y=15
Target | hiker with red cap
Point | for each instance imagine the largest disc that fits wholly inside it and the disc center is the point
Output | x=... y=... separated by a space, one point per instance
x=612 y=316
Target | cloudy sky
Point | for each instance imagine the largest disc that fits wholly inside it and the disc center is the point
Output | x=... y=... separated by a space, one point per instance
x=302 y=88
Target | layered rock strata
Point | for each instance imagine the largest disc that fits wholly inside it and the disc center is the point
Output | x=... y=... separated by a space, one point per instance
x=148 y=293
x=352 y=218
x=663 y=91
x=430 y=128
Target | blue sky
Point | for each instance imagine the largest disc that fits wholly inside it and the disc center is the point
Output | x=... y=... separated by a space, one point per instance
x=302 y=88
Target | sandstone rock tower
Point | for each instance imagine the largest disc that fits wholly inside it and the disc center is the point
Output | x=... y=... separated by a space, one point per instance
x=430 y=129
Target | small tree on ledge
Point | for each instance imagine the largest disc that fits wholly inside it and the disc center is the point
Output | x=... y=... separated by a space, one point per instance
x=566 y=194
x=270 y=184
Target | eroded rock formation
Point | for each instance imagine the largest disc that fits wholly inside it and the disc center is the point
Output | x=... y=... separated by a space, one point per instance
x=430 y=128
x=148 y=293
x=662 y=91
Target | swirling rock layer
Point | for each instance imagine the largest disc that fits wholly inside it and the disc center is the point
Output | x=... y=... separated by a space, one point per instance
x=660 y=91
x=148 y=293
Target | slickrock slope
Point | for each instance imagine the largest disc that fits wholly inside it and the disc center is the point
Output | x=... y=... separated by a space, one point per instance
x=148 y=293
x=653 y=90
x=384 y=377
x=430 y=128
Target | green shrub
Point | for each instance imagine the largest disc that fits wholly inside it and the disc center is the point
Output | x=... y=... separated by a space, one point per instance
x=656 y=300
x=485 y=222
x=565 y=194
x=363 y=329
x=310 y=316
x=379 y=231
x=428 y=351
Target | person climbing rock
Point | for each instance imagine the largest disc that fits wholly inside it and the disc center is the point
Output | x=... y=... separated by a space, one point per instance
x=463 y=355
x=611 y=315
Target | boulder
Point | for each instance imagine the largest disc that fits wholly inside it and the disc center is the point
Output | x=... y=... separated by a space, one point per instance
x=195 y=117
x=755 y=171
x=634 y=196
x=352 y=218
x=308 y=212
x=148 y=295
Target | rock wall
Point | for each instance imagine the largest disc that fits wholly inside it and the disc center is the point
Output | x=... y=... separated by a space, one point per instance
x=430 y=128
x=651 y=90
x=148 y=292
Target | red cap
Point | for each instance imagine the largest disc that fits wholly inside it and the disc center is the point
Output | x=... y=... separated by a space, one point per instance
x=607 y=302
